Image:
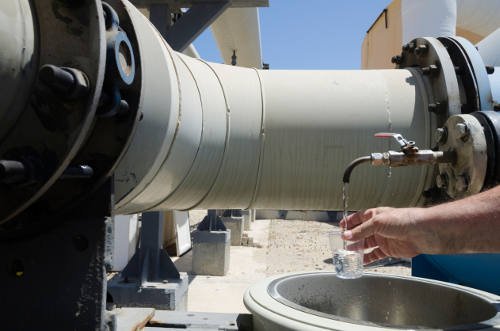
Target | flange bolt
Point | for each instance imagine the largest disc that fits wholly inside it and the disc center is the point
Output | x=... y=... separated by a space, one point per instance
x=421 y=50
x=463 y=131
x=397 y=59
x=12 y=172
x=441 y=135
x=430 y=70
x=442 y=181
x=68 y=83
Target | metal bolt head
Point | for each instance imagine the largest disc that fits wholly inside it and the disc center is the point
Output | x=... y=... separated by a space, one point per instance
x=430 y=70
x=461 y=184
x=397 y=59
x=442 y=181
x=421 y=49
x=435 y=107
x=463 y=131
x=441 y=135
x=411 y=46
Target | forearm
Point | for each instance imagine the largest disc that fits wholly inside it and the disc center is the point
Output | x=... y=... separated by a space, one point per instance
x=466 y=226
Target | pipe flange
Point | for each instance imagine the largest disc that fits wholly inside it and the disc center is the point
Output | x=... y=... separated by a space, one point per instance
x=51 y=129
x=113 y=128
x=471 y=73
x=465 y=176
x=430 y=57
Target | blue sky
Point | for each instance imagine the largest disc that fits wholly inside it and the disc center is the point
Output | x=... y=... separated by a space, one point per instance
x=314 y=34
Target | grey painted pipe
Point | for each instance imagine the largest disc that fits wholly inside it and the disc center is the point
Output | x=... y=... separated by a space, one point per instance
x=218 y=136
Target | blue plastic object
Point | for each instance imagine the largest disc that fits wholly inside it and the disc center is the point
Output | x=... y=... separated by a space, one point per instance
x=480 y=271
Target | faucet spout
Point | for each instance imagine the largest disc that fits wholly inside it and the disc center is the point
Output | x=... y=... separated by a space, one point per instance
x=352 y=165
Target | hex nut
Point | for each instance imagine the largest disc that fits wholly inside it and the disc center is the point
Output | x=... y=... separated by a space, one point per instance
x=441 y=135
x=442 y=180
x=463 y=131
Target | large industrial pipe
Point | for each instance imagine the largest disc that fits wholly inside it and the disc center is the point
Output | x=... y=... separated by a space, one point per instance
x=218 y=136
x=180 y=133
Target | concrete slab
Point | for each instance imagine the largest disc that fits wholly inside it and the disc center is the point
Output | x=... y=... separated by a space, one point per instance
x=169 y=295
x=199 y=321
x=126 y=319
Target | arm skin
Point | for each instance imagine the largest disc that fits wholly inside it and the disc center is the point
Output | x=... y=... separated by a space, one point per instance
x=470 y=225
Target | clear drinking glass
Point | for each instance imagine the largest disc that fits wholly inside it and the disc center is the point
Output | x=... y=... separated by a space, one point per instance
x=347 y=255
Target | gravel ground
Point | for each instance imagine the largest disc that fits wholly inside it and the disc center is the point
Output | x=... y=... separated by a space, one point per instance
x=303 y=245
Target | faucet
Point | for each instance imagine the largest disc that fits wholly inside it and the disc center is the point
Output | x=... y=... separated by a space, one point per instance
x=409 y=154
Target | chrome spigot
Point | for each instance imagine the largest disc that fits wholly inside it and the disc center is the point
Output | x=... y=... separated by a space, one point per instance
x=409 y=154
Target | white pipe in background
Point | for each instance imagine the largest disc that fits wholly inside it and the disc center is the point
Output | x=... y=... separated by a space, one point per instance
x=428 y=18
x=489 y=48
x=238 y=29
x=480 y=17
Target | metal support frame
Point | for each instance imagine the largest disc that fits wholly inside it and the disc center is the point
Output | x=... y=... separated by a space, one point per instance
x=57 y=278
x=211 y=222
x=150 y=279
x=193 y=23
x=151 y=262
x=160 y=16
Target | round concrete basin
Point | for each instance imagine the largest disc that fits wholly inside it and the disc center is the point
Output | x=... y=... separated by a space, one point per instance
x=321 y=301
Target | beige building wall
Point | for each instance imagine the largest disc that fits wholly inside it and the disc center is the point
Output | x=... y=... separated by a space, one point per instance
x=383 y=39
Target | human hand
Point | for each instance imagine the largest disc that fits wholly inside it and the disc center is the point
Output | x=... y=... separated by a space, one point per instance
x=396 y=232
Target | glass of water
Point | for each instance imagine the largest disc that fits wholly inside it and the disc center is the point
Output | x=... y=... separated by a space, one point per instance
x=347 y=255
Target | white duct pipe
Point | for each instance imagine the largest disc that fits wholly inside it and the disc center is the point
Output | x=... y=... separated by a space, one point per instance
x=489 y=48
x=428 y=18
x=238 y=30
x=218 y=136
x=478 y=17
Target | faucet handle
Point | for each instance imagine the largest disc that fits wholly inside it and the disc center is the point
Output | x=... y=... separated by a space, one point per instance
x=407 y=146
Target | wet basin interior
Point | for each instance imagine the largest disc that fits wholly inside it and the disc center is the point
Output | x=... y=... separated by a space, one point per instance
x=385 y=301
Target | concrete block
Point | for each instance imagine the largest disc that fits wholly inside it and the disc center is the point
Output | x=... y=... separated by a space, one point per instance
x=170 y=294
x=246 y=214
x=211 y=252
x=235 y=224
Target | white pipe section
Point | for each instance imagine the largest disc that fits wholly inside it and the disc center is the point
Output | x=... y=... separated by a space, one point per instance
x=238 y=30
x=218 y=136
x=428 y=18
x=489 y=48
